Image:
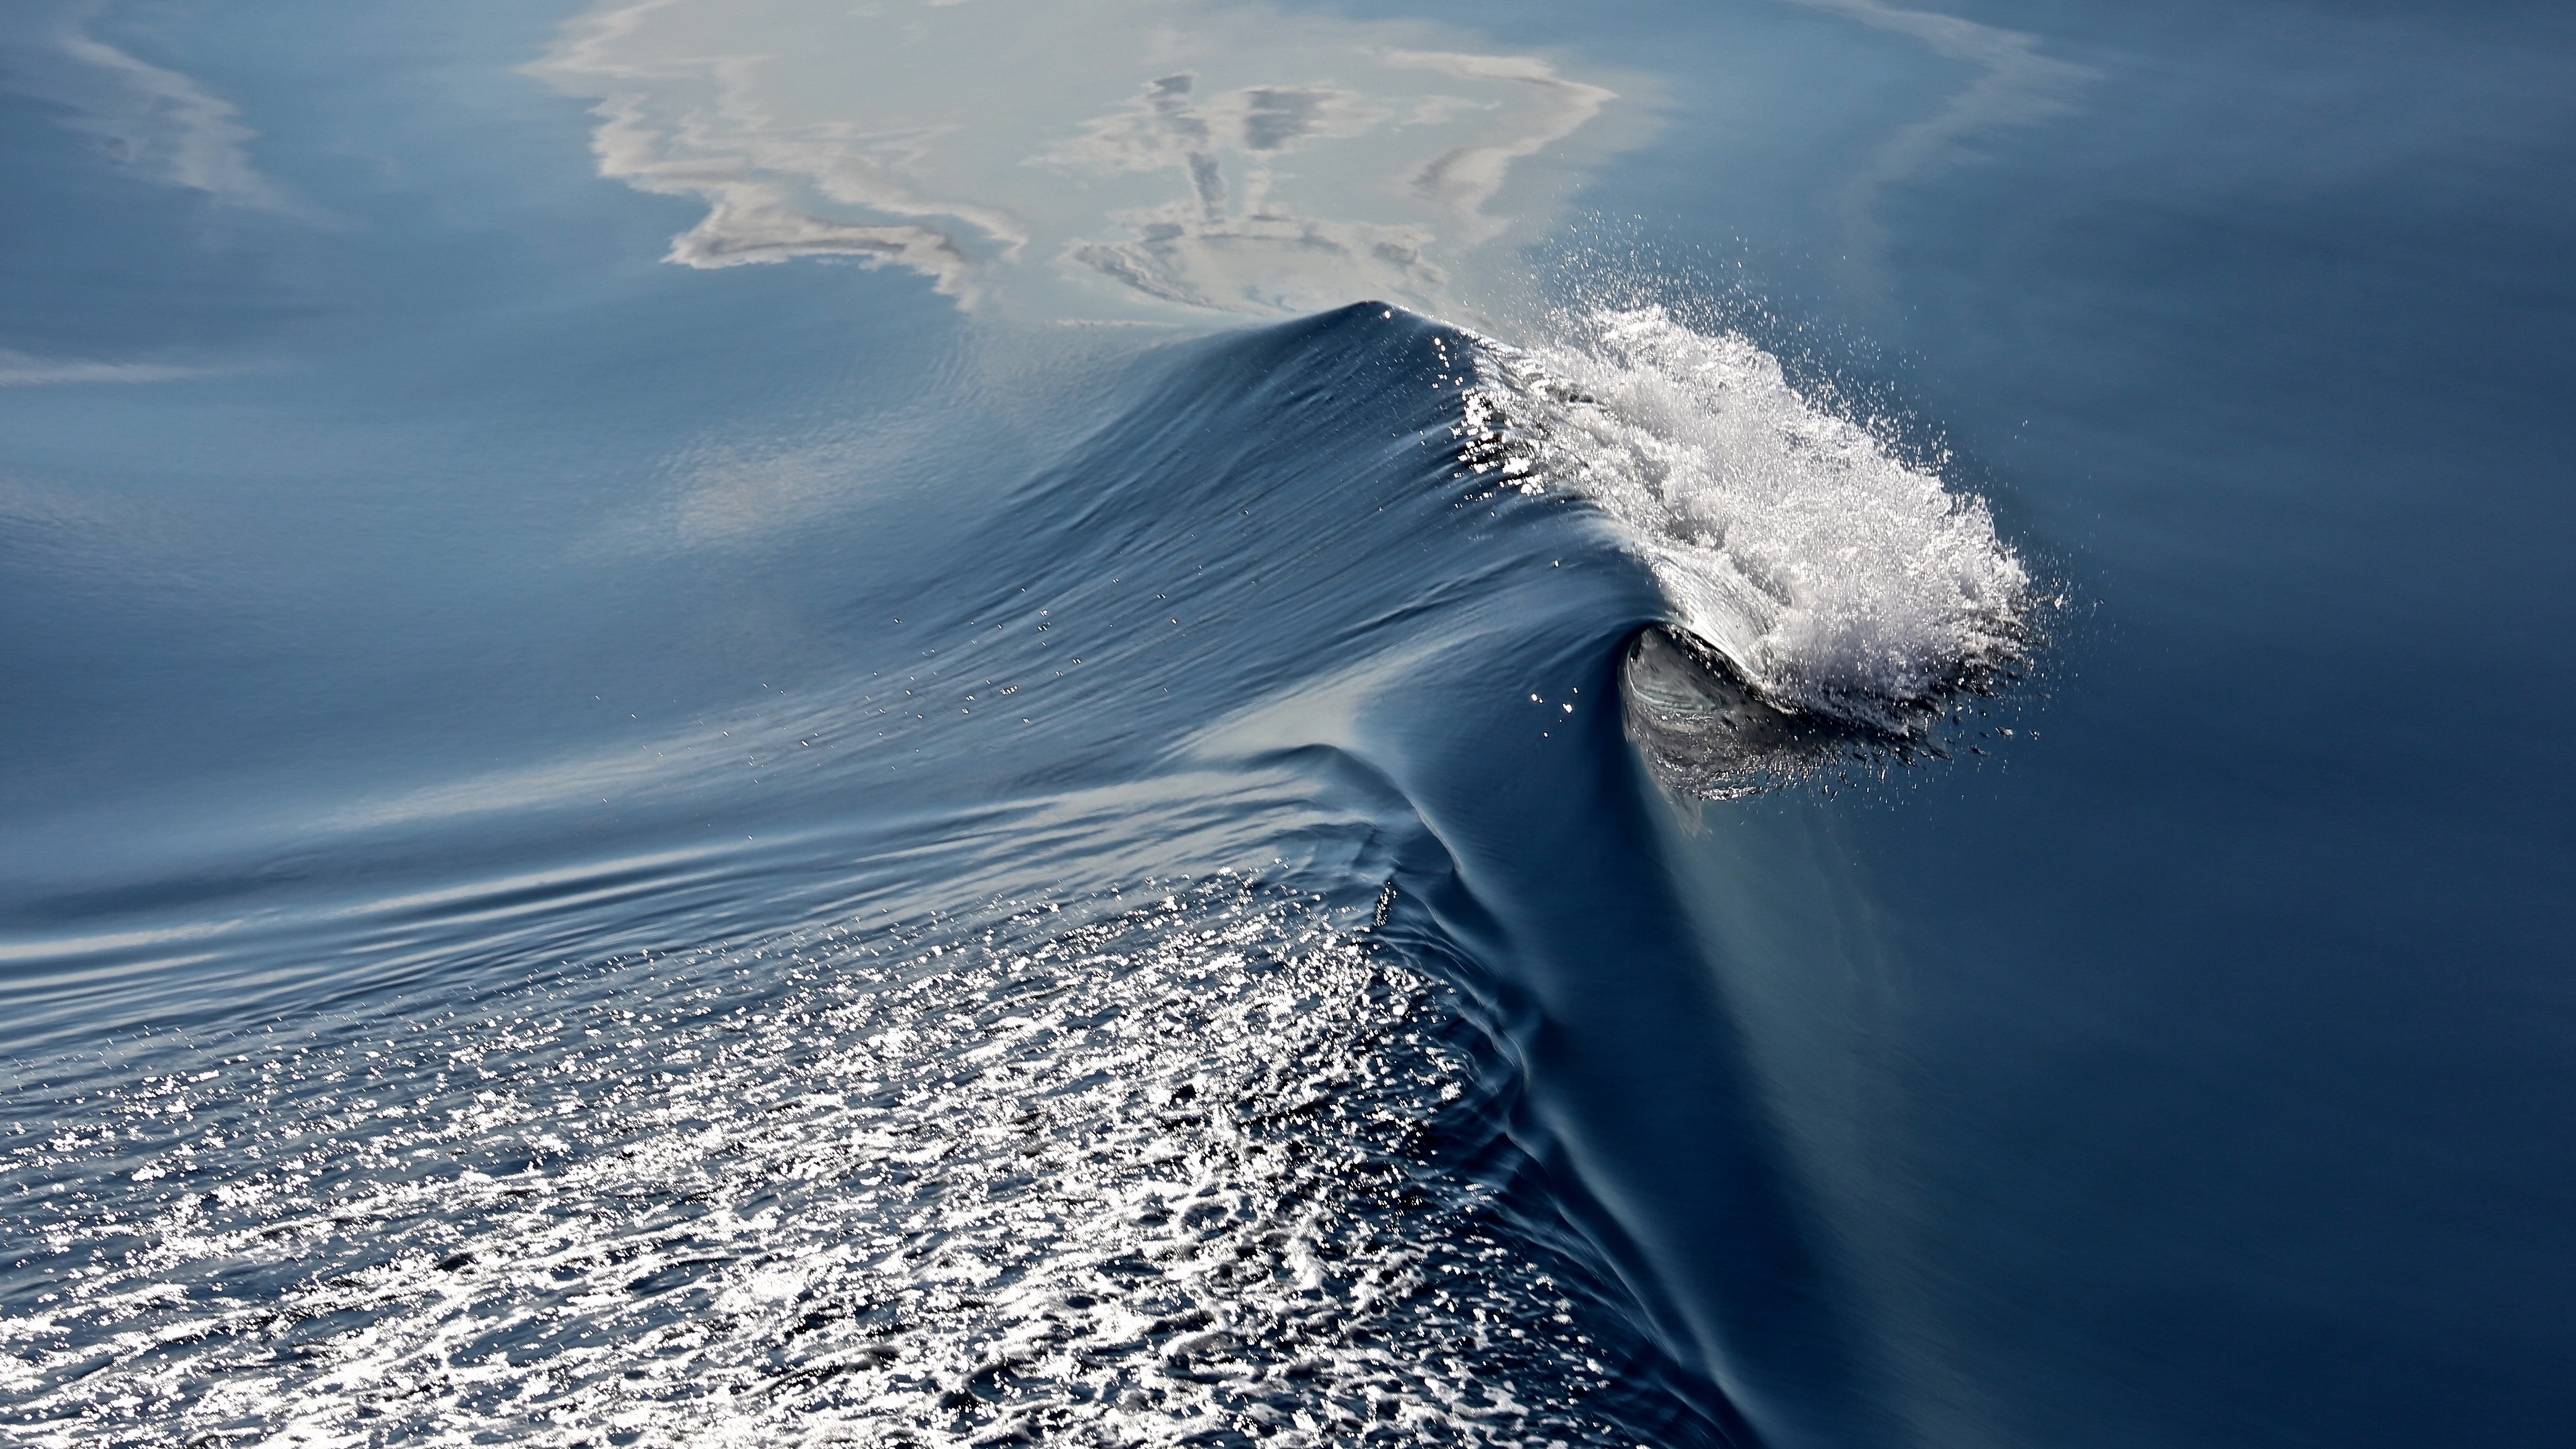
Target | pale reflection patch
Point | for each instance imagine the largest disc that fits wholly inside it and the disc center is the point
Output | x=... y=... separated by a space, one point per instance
x=1090 y=157
x=156 y=123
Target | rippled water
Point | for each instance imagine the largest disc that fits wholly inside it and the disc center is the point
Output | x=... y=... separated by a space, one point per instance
x=1197 y=1166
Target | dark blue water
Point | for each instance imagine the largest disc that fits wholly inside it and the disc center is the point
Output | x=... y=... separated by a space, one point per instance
x=1022 y=800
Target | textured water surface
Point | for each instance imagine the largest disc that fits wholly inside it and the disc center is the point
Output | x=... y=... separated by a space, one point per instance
x=1201 y=1169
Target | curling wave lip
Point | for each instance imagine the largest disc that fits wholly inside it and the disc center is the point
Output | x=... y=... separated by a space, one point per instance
x=1702 y=730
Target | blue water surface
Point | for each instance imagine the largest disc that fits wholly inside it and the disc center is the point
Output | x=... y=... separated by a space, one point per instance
x=601 y=851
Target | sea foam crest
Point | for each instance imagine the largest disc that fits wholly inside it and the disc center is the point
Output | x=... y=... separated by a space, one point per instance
x=1835 y=576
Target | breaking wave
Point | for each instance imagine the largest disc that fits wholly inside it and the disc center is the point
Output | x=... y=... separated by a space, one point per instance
x=1422 y=1140
x=1832 y=575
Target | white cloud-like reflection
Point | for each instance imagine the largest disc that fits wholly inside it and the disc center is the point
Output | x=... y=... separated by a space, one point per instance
x=155 y=122
x=1083 y=157
x=18 y=369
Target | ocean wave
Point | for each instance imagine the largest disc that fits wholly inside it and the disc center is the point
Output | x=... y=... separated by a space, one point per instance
x=704 y=1148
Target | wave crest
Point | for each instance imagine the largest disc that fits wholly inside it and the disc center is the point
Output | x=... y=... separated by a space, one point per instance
x=1834 y=576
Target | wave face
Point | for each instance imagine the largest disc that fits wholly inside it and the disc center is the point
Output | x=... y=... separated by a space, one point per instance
x=1206 y=978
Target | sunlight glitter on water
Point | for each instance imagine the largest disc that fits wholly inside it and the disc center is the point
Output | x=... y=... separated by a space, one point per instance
x=1167 y=1175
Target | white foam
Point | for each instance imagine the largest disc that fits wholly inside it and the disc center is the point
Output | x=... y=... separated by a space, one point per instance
x=1835 y=575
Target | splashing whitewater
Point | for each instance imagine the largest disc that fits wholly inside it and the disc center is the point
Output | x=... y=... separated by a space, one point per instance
x=1835 y=577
